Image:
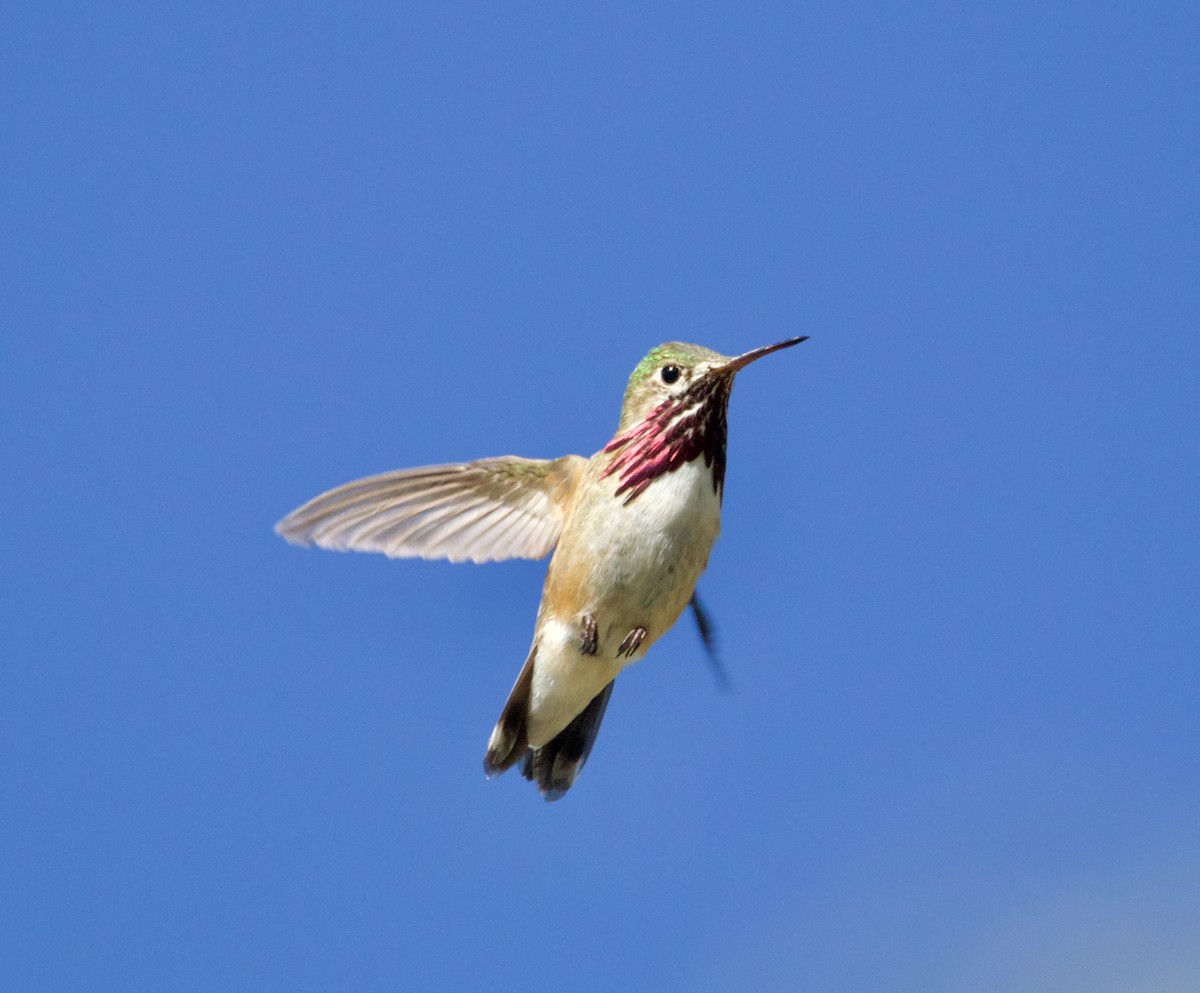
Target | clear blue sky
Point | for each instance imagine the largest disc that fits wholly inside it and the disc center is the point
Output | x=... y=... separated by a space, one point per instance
x=251 y=251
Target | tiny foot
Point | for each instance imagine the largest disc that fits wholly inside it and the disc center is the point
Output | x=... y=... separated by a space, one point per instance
x=587 y=635
x=632 y=642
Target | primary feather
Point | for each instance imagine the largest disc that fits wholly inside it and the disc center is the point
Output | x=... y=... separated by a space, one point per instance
x=483 y=511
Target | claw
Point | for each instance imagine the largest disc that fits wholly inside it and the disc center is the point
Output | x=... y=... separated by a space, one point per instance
x=632 y=642
x=587 y=635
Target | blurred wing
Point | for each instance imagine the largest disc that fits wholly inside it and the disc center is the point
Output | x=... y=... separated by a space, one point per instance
x=502 y=508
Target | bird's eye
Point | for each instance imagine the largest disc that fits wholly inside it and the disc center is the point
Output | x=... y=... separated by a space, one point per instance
x=670 y=373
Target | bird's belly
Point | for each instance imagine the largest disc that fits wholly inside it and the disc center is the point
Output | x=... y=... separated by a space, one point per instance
x=628 y=566
x=643 y=558
x=564 y=680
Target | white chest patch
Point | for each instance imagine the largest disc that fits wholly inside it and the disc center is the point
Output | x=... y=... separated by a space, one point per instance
x=641 y=560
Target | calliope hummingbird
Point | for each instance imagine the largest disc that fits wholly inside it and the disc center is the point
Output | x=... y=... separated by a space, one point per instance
x=631 y=529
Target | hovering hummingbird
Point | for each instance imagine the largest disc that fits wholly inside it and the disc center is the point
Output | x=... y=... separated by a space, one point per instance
x=631 y=530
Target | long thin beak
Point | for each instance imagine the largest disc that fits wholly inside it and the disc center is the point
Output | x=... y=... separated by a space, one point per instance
x=733 y=365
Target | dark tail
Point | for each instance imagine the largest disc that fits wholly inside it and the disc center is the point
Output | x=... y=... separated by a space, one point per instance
x=555 y=765
x=510 y=739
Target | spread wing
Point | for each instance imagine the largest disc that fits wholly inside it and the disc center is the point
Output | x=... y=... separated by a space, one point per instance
x=484 y=511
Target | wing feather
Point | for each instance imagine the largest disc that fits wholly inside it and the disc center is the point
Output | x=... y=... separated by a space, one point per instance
x=482 y=511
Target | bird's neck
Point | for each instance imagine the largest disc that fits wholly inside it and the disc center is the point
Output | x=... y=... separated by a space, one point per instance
x=674 y=433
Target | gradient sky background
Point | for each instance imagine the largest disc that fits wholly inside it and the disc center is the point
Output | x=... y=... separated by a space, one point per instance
x=252 y=251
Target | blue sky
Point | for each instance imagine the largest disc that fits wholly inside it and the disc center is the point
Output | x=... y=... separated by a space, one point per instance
x=254 y=251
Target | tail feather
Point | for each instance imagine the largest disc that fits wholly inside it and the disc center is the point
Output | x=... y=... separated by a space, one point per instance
x=510 y=738
x=554 y=766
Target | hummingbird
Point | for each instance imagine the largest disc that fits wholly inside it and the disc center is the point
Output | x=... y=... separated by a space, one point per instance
x=631 y=529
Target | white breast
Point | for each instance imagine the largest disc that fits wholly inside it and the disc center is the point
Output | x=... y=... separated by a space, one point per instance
x=642 y=561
